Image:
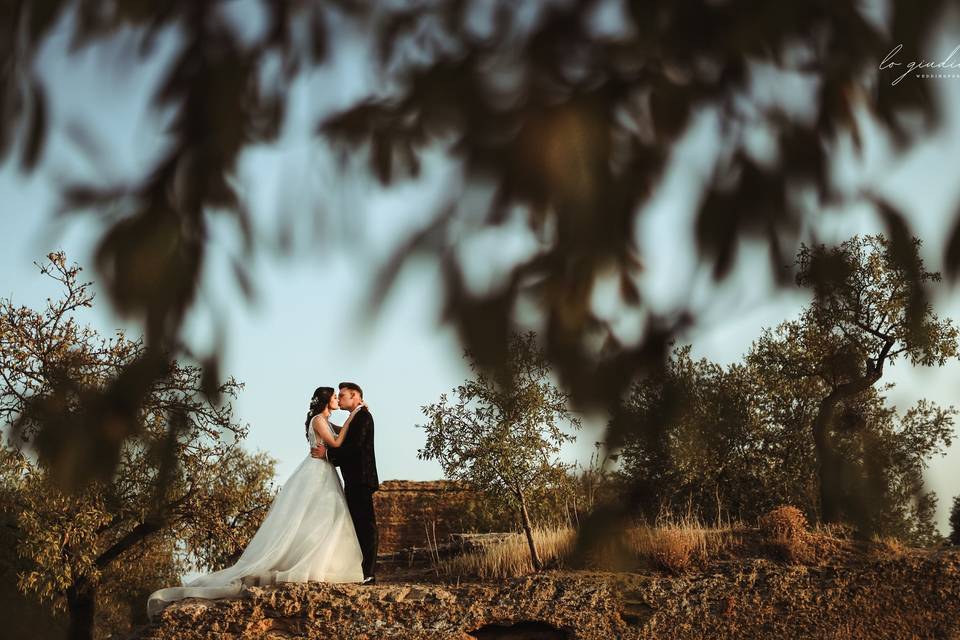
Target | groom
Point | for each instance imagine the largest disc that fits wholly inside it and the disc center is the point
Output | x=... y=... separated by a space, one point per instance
x=358 y=465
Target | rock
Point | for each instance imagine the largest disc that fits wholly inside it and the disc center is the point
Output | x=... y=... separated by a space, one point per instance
x=912 y=597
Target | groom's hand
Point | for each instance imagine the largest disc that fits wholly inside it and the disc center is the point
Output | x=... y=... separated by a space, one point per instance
x=319 y=451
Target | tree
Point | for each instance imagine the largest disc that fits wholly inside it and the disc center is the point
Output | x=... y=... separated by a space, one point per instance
x=865 y=315
x=503 y=440
x=565 y=124
x=726 y=441
x=24 y=618
x=692 y=440
x=133 y=528
x=955 y=521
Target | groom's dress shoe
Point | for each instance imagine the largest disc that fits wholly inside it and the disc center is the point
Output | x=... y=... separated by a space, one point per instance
x=369 y=580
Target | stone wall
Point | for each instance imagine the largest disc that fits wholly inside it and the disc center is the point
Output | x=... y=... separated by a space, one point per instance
x=407 y=509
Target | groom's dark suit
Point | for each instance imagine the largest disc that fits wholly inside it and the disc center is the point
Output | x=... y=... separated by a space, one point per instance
x=358 y=465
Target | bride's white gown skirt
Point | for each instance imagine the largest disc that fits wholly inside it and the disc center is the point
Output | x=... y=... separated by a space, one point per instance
x=306 y=535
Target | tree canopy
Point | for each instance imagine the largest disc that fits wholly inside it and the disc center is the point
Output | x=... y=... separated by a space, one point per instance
x=864 y=316
x=505 y=440
x=139 y=525
x=561 y=116
x=803 y=420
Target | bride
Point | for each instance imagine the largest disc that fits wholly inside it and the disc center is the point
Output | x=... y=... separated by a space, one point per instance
x=306 y=535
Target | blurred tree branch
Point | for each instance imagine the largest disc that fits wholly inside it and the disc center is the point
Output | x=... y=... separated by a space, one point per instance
x=570 y=126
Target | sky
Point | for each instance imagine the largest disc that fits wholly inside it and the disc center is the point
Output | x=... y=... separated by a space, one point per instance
x=308 y=325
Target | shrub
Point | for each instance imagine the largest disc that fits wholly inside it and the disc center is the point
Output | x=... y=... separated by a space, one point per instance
x=787 y=533
x=784 y=522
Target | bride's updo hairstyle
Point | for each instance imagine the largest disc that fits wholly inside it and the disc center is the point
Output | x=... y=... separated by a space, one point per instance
x=319 y=401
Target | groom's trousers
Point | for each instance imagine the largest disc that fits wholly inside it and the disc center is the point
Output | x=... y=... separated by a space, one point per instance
x=360 y=503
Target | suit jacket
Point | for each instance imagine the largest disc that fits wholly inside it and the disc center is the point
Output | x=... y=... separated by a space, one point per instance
x=355 y=455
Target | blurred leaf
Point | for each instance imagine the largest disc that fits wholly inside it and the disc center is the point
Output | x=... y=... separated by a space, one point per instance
x=571 y=128
x=904 y=252
x=951 y=258
x=38 y=127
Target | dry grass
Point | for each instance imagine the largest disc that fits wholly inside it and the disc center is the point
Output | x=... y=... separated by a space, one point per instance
x=671 y=549
x=672 y=546
x=835 y=530
x=512 y=557
x=889 y=547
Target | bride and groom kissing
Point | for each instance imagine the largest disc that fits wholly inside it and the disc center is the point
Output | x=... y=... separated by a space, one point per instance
x=315 y=528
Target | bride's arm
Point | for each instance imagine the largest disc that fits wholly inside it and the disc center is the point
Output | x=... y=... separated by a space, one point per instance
x=325 y=436
x=337 y=427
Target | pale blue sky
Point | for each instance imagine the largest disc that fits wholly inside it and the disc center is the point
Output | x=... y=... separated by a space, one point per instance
x=304 y=328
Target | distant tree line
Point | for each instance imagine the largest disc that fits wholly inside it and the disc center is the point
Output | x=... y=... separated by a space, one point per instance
x=801 y=420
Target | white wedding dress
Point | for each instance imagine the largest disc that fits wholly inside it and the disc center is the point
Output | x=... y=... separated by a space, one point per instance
x=306 y=535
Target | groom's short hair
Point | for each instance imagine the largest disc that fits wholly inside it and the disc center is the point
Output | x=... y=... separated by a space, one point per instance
x=353 y=386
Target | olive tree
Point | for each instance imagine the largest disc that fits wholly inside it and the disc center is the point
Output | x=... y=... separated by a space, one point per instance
x=142 y=516
x=865 y=316
x=735 y=441
x=504 y=439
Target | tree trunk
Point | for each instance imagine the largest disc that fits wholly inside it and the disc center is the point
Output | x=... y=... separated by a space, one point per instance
x=829 y=465
x=527 y=529
x=81 y=606
x=827 y=468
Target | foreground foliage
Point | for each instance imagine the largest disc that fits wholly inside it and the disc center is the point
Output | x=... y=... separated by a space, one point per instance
x=559 y=117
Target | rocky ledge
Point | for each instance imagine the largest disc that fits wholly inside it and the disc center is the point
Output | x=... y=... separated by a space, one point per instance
x=915 y=596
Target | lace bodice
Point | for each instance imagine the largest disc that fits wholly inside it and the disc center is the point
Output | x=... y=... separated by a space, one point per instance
x=312 y=435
